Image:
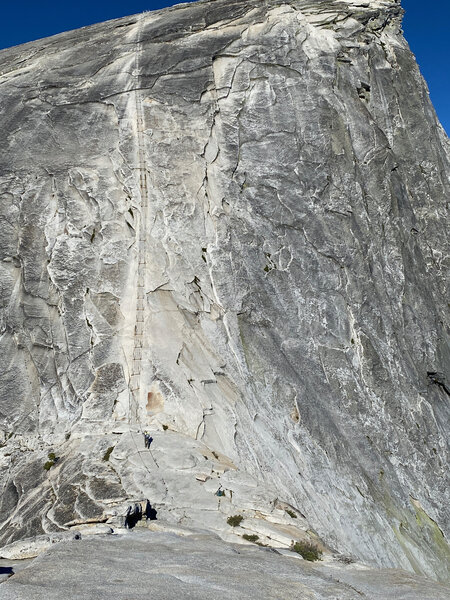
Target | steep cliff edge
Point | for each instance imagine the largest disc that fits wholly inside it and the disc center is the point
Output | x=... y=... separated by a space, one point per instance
x=225 y=224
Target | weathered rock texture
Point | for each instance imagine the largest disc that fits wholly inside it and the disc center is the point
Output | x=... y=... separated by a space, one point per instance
x=224 y=223
x=163 y=566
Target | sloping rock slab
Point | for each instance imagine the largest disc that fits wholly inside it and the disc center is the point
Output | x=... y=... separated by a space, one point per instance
x=160 y=566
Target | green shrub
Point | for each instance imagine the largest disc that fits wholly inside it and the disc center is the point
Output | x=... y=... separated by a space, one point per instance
x=165 y=427
x=251 y=538
x=307 y=550
x=52 y=459
x=235 y=520
x=108 y=453
x=291 y=513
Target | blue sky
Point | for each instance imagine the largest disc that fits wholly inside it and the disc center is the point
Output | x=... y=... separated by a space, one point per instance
x=426 y=26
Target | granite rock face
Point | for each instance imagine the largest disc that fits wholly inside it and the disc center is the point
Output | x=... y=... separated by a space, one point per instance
x=199 y=566
x=224 y=223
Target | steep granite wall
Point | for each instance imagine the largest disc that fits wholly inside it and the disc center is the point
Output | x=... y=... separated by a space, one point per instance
x=225 y=223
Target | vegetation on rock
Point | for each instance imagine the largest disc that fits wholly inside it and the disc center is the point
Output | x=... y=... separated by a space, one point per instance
x=108 y=453
x=251 y=537
x=52 y=460
x=307 y=550
x=235 y=520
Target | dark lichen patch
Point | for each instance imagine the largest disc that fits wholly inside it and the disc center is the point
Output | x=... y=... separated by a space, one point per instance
x=108 y=453
x=364 y=91
x=344 y=559
x=291 y=513
x=270 y=265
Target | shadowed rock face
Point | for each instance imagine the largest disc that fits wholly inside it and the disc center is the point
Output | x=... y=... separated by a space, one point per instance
x=224 y=223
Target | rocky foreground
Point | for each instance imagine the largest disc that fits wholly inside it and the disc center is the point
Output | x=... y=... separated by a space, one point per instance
x=224 y=293
x=200 y=566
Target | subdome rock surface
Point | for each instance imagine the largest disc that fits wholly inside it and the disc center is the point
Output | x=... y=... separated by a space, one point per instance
x=225 y=223
x=164 y=566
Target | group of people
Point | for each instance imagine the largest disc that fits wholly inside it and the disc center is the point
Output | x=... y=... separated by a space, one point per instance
x=135 y=514
x=147 y=440
x=135 y=511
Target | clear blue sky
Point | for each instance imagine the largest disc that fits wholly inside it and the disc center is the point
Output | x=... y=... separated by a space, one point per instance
x=426 y=26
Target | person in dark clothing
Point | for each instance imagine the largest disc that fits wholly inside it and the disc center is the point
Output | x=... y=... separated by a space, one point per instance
x=147 y=440
x=150 y=513
x=134 y=514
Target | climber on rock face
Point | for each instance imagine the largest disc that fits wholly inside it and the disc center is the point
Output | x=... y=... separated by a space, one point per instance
x=147 y=440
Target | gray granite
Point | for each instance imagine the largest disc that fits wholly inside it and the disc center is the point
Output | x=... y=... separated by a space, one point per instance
x=225 y=223
x=161 y=566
